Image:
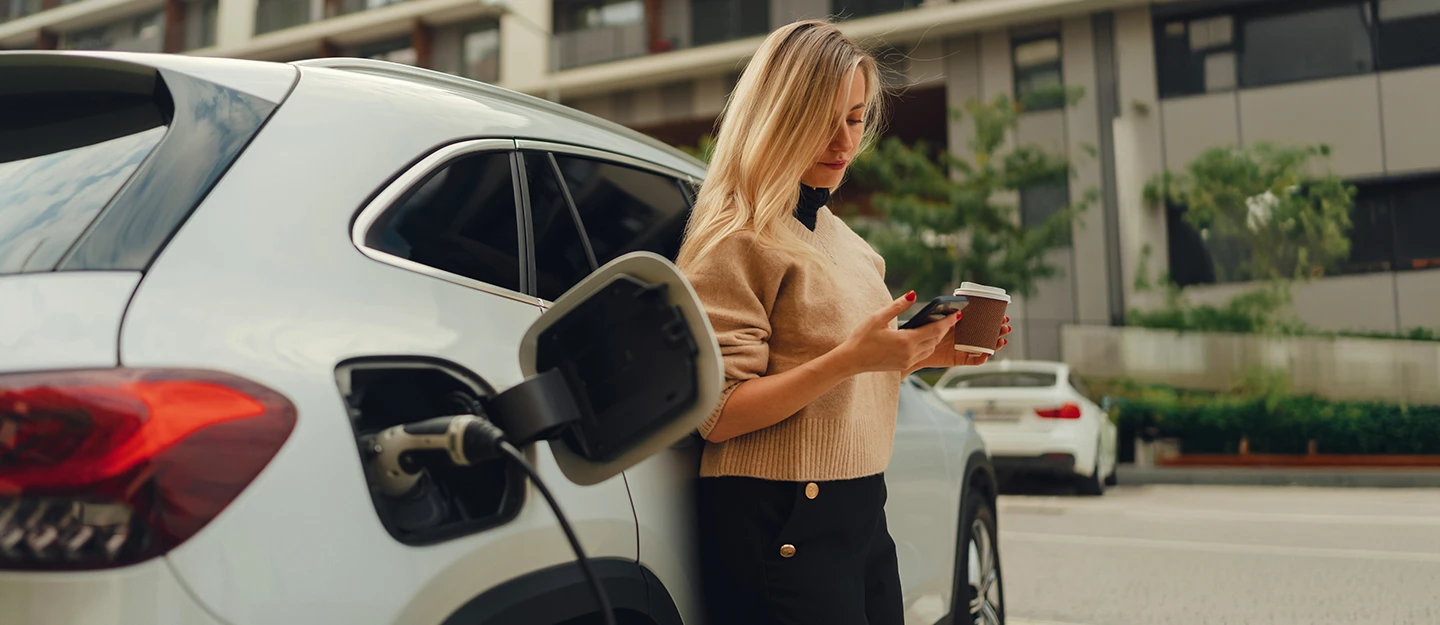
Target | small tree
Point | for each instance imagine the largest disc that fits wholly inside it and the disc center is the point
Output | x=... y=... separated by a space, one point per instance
x=1262 y=212
x=941 y=221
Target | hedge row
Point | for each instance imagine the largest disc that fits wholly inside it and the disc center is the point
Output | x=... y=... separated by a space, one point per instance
x=1213 y=423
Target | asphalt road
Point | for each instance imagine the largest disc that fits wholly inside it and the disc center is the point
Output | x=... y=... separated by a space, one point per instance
x=1181 y=555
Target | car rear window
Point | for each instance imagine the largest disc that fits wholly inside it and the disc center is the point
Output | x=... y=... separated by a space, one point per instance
x=1008 y=379
x=64 y=153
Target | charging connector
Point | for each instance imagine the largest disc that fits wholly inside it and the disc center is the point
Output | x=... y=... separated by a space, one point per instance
x=466 y=439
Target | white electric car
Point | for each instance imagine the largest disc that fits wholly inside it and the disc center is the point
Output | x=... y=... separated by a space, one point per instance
x=1037 y=418
x=263 y=327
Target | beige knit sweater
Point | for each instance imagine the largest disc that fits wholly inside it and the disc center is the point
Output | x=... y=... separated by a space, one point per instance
x=772 y=312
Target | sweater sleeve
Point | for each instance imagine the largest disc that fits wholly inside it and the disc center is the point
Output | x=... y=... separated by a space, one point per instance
x=736 y=284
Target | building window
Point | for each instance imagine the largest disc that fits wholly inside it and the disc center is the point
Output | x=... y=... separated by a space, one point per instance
x=1264 y=45
x=143 y=33
x=16 y=9
x=597 y=31
x=1196 y=56
x=201 y=20
x=1392 y=226
x=1318 y=43
x=480 y=52
x=591 y=14
x=1408 y=33
x=1039 y=84
x=1417 y=219
x=398 y=50
x=847 y=9
x=1372 y=231
x=91 y=39
x=714 y=21
x=273 y=15
x=1039 y=204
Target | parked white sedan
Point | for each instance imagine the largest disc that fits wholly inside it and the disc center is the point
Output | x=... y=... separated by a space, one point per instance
x=1036 y=417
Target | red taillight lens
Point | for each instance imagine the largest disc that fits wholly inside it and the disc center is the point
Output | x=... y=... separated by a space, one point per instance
x=1068 y=411
x=110 y=467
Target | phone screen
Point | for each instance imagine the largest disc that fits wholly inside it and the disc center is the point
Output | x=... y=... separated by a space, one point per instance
x=937 y=309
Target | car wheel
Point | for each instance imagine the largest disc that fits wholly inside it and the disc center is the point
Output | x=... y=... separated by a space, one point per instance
x=1095 y=484
x=983 y=586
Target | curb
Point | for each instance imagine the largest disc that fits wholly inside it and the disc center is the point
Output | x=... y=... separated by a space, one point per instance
x=1276 y=476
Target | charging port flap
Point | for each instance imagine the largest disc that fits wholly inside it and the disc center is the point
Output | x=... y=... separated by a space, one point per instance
x=631 y=349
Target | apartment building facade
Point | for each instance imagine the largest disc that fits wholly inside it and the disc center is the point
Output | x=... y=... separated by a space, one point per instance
x=1163 y=82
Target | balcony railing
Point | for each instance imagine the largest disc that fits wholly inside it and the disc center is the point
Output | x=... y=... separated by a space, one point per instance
x=706 y=22
x=598 y=45
x=273 y=15
x=16 y=9
x=847 y=9
x=355 y=6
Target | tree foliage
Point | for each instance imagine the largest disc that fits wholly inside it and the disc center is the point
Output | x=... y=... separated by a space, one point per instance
x=1261 y=211
x=953 y=217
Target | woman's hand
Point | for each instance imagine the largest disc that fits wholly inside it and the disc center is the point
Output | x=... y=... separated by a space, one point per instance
x=875 y=346
x=945 y=354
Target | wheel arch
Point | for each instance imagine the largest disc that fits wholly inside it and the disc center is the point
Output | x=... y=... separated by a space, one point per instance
x=980 y=474
x=560 y=593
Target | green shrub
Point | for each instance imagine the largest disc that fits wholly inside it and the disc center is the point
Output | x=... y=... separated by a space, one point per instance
x=1277 y=423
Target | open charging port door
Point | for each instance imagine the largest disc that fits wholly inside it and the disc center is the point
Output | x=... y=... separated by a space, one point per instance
x=623 y=365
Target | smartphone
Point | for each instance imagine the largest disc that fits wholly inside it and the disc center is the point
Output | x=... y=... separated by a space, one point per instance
x=938 y=308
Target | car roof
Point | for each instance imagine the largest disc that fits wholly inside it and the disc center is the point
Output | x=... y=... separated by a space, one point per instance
x=1000 y=366
x=551 y=121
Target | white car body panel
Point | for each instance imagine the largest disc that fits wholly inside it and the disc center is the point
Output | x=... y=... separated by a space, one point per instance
x=933 y=445
x=144 y=593
x=62 y=320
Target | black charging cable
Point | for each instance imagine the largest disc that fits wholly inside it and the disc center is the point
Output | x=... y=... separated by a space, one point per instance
x=469 y=439
x=600 y=596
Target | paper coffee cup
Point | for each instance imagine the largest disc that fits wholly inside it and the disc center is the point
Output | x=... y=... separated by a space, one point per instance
x=979 y=328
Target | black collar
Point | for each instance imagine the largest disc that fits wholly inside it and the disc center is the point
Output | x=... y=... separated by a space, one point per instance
x=807 y=210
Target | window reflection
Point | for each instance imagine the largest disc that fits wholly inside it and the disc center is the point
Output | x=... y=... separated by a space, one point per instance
x=50 y=198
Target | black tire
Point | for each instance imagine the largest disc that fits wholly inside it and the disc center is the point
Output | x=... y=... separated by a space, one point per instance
x=978 y=528
x=1094 y=486
x=1113 y=479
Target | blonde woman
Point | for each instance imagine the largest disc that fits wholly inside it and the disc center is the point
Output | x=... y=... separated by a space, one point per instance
x=792 y=489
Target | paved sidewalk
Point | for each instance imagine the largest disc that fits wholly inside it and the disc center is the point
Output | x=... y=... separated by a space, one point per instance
x=1283 y=476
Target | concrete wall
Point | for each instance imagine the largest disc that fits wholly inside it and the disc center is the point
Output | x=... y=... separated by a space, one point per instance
x=1378 y=302
x=1376 y=124
x=1342 y=368
x=1343 y=113
x=1408 y=107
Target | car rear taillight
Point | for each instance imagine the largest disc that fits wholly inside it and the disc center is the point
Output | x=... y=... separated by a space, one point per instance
x=1067 y=411
x=110 y=467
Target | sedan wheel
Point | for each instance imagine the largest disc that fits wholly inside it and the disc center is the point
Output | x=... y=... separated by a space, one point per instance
x=1095 y=484
x=986 y=592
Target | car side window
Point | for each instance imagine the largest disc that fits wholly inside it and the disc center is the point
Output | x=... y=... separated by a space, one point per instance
x=562 y=259
x=461 y=218
x=625 y=209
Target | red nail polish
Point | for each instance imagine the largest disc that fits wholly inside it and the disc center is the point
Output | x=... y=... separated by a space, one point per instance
x=910 y=296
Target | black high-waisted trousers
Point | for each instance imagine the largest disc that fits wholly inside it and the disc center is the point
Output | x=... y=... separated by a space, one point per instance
x=798 y=553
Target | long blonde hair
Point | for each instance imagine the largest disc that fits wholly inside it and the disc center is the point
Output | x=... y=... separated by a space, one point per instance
x=783 y=111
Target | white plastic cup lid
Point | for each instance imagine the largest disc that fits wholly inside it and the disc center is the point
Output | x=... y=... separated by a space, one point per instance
x=973 y=289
